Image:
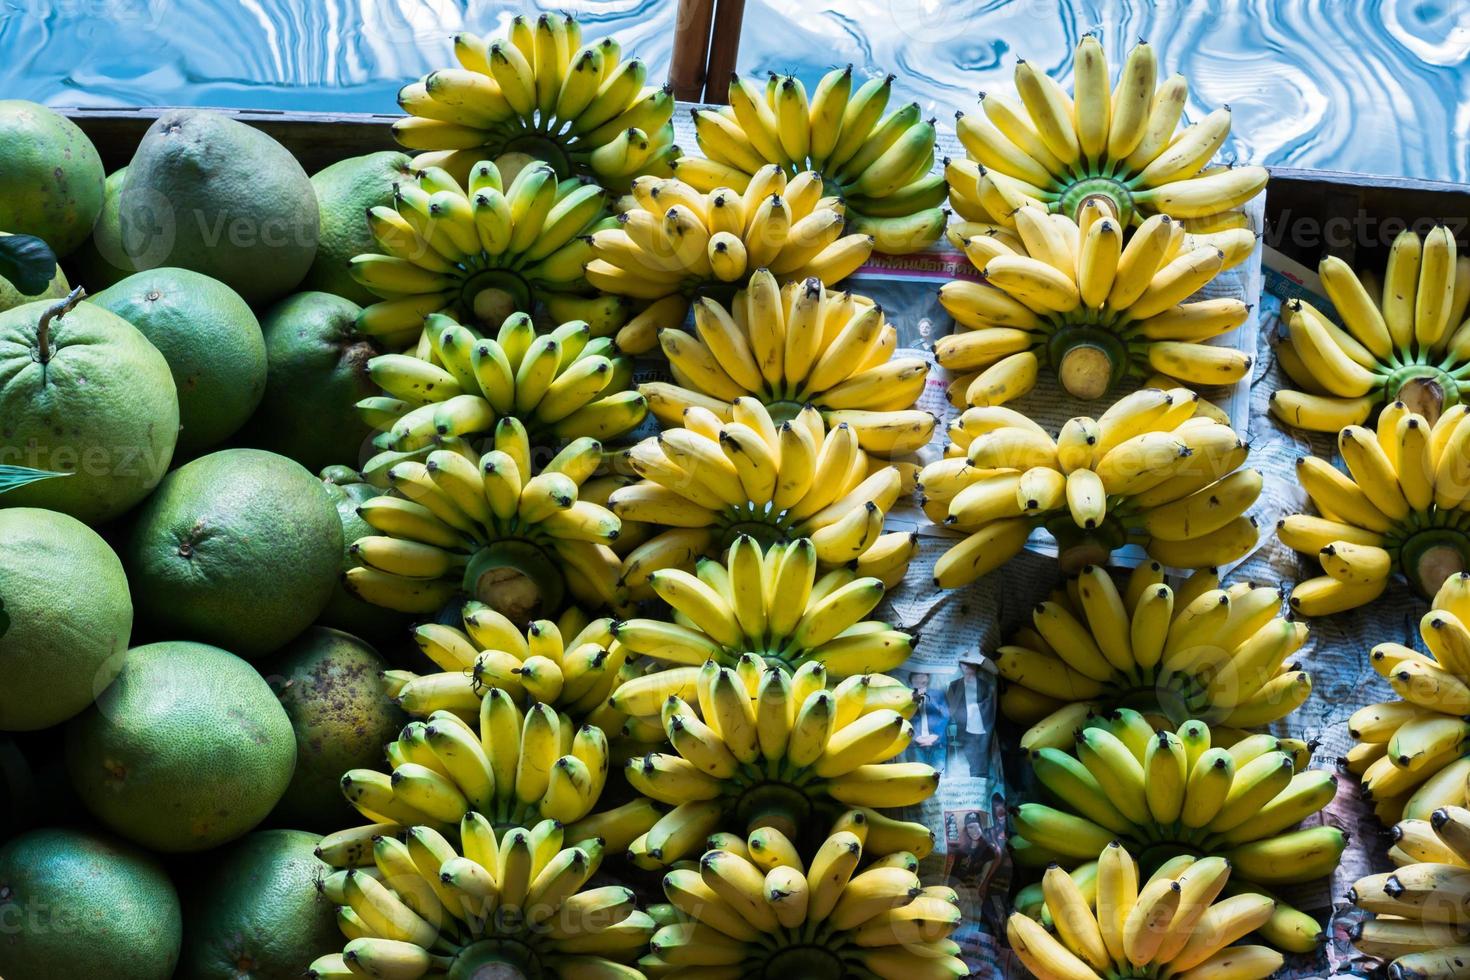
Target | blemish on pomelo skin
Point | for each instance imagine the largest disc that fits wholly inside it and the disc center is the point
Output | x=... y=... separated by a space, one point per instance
x=116 y=771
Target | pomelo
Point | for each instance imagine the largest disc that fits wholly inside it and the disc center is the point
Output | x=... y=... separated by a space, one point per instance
x=331 y=685
x=318 y=374
x=256 y=913
x=68 y=617
x=11 y=297
x=240 y=548
x=102 y=260
x=75 y=904
x=85 y=394
x=382 y=627
x=50 y=176
x=209 y=193
x=345 y=191
x=212 y=343
x=188 y=748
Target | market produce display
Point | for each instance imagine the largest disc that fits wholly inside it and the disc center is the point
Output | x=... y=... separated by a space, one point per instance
x=505 y=570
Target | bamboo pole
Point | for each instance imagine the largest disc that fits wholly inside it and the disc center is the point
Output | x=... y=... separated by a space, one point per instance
x=724 y=49
x=691 y=49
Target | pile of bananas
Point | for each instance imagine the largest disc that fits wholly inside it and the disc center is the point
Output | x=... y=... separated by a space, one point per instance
x=674 y=240
x=1411 y=753
x=793 y=346
x=1420 y=926
x=1206 y=652
x=1070 y=297
x=1404 y=339
x=1402 y=507
x=1108 y=927
x=754 y=908
x=565 y=384
x=487 y=526
x=480 y=251
x=539 y=92
x=1117 y=145
x=1148 y=471
x=571 y=665
x=508 y=906
x=880 y=166
x=711 y=481
x=1127 y=781
x=773 y=749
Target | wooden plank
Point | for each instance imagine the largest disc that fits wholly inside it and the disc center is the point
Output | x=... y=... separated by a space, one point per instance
x=724 y=49
x=691 y=49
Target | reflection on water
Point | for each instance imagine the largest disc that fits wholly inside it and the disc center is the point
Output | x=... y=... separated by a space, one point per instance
x=1364 y=85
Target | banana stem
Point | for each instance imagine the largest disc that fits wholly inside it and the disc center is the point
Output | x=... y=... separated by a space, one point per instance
x=43 y=329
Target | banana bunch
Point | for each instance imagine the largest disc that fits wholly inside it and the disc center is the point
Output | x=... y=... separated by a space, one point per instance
x=1421 y=911
x=1127 y=781
x=712 y=480
x=540 y=92
x=793 y=346
x=1117 y=144
x=882 y=167
x=1403 y=506
x=1412 y=753
x=1148 y=471
x=1404 y=338
x=572 y=665
x=481 y=250
x=457 y=522
x=1206 y=651
x=672 y=240
x=1111 y=924
x=772 y=749
x=754 y=908
x=1072 y=298
x=562 y=385
x=516 y=904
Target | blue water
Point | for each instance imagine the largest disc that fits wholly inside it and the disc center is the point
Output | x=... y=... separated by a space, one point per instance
x=1374 y=86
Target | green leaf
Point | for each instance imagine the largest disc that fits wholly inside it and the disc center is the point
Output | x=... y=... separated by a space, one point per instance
x=27 y=262
x=12 y=477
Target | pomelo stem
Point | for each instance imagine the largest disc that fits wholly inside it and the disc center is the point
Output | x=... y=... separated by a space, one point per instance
x=60 y=307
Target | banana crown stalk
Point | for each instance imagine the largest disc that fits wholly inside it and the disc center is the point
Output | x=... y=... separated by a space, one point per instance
x=763 y=748
x=1126 y=781
x=514 y=903
x=1218 y=654
x=1109 y=923
x=757 y=906
x=565 y=384
x=1148 y=471
x=540 y=92
x=771 y=605
x=1118 y=143
x=1401 y=508
x=715 y=479
x=674 y=240
x=572 y=664
x=1070 y=297
x=880 y=166
x=512 y=767
x=1420 y=925
x=456 y=522
x=1402 y=338
x=481 y=248
x=1410 y=753
x=791 y=346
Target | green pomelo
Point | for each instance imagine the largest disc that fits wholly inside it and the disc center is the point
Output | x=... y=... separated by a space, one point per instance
x=240 y=548
x=212 y=343
x=98 y=404
x=345 y=191
x=67 y=617
x=50 y=176
x=318 y=374
x=101 y=261
x=208 y=193
x=10 y=297
x=331 y=685
x=382 y=627
x=80 y=905
x=256 y=913
x=188 y=748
